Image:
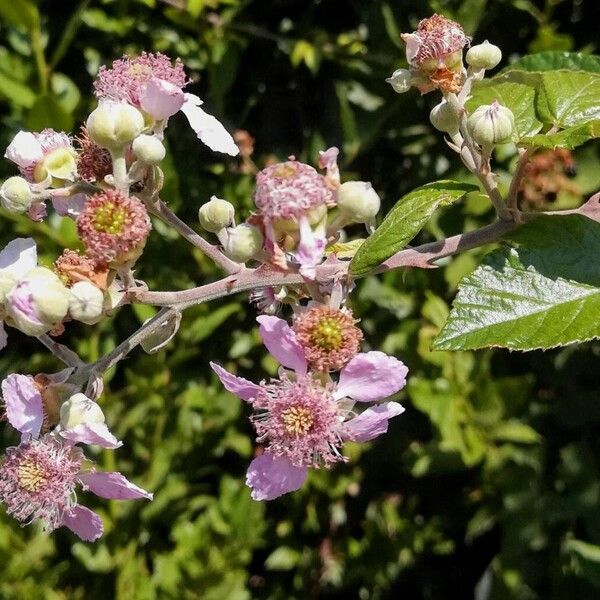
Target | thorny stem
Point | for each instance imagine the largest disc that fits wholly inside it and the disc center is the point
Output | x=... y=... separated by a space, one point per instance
x=161 y=210
x=61 y=352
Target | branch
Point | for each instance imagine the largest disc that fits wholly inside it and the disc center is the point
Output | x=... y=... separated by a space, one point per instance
x=161 y=210
x=61 y=352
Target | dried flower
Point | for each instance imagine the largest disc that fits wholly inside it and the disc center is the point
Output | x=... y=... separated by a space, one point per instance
x=93 y=162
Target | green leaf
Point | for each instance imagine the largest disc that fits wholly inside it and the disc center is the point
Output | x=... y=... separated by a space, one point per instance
x=554 y=61
x=16 y=91
x=520 y=98
x=586 y=557
x=20 y=13
x=344 y=249
x=567 y=98
x=47 y=112
x=516 y=432
x=540 y=295
x=567 y=138
x=404 y=221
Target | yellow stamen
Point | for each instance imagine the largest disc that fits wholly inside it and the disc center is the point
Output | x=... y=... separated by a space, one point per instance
x=297 y=420
x=327 y=335
x=110 y=219
x=31 y=477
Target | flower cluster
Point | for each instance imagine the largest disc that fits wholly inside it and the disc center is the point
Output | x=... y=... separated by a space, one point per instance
x=40 y=476
x=303 y=417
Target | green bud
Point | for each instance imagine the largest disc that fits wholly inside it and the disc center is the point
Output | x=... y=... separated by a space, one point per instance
x=16 y=195
x=148 y=149
x=401 y=80
x=80 y=410
x=444 y=118
x=216 y=214
x=242 y=243
x=358 y=201
x=491 y=124
x=113 y=125
x=483 y=56
x=86 y=302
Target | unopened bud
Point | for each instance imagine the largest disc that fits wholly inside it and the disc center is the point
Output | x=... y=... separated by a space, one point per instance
x=242 y=243
x=16 y=195
x=216 y=214
x=490 y=125
x=86 y=302
x=38 y=302
x=401 y=80
x=483 y=56
x=444 y=118
x=114 y=124
x=148 y=149
x=80 y=410
x=358 y=201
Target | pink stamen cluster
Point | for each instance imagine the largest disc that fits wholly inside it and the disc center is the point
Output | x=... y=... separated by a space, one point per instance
x=113 y=226
x=93 y=162
x=127 y=76
x=290 y=189
x=300 y=420
x=328 y=336
x=438 y=37
x=38 y=480
x=71 y=267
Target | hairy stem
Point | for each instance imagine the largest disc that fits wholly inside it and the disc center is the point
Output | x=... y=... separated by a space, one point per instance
x=61 y=352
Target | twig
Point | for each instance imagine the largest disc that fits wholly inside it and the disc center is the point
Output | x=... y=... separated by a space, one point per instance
x=61 y=352
x=161 y=210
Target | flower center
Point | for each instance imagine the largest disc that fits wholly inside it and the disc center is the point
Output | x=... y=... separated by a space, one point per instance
x=285 y=170
x=30 y=475
x=327 y=334
x=109 y=218
x=139 y=71
x=297 y=420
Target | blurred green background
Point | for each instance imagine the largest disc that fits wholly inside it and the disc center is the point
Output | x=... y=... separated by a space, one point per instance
x=487 y=487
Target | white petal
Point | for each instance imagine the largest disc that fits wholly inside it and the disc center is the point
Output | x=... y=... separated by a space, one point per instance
x=18 y=257
x=25 y=150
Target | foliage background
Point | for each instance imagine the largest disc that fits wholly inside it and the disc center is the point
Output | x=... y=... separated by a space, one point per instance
x=488 y=485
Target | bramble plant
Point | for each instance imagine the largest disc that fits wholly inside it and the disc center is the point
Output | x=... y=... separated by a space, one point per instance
x=294 y=256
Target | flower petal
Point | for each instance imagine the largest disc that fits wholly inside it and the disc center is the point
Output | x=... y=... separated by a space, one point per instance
x=242 y=388
x=372 y=422
x=113 y=486
x=281 y=342
x=24 y=407
x=161 y=99
x=272 y=476
x=309 y=252
x=84 y=523
x=18 y=257
x=207 y=127
x=24 y=150
x=371 y=376
x=96 y=434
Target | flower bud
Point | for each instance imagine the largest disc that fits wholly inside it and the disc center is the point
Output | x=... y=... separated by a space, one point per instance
x=60 y=164
x=358 y=201
x=37 y=302
x=148 y=149
x=16 y=195
x=7 y=282
x=444 y=118
x=216 y=214
x=491 y=124
x=242 y=243
x=80 y=410
x=401 y=80
x=86 y=302
x=483 y=56
x=113 y=125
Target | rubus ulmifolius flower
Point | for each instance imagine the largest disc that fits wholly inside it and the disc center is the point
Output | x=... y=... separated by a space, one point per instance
x=303 y=418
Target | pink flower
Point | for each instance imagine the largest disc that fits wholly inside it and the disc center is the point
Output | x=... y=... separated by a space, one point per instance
x=303 y=420
x=153 y=84
x=113 y=227
x=39 y=477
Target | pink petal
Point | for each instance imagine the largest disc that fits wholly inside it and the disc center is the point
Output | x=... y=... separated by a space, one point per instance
x=242 y=388
x=37 y=212
x=207 y=128
x=3 y=336
x=84 y=523
x=371 y=376
x=328 y=161
x=92 y=433
x=272 y=476
x=372 y=422
x=113 y=486
x=309 y=252
x=281 y=342
x=24 y=150
x=161 y=99
x=18 y=257
x=413 y=43
x=24 y=407
x=68 y=206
